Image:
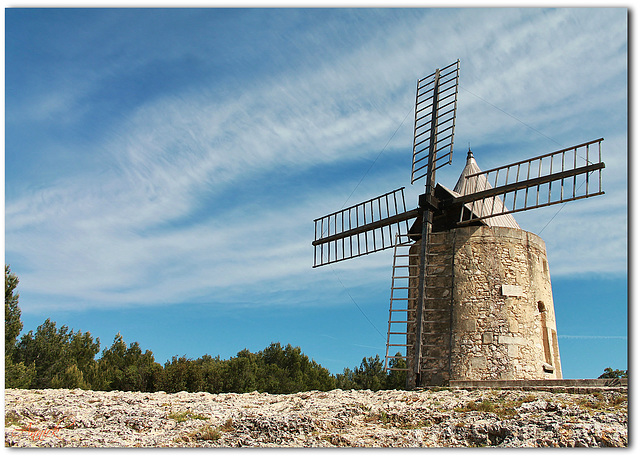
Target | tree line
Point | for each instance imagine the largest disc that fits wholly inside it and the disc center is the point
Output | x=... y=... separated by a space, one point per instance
x=57 y=357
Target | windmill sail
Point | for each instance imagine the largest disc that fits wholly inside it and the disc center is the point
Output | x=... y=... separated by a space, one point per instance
x=361 y=229
x=435 y=119
x=558 y=177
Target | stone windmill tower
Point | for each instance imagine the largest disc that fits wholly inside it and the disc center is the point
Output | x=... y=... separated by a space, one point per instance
x=471 y=292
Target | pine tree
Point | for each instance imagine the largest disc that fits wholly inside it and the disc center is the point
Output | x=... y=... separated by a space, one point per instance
x=182 y=374
x=371 y=375
x=127 y=369
x=17 y=375
x=397 y=379
x=12 y=322
x=71 y=378
x=47 y=350
x=610 y=373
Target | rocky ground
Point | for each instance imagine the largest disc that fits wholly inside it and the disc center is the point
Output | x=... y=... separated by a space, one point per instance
x=429 y=418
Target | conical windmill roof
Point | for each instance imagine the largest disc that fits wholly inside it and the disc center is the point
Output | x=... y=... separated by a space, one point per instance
x=466 y=186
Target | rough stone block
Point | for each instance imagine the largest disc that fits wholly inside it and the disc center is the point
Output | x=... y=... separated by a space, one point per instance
x=504 y=339
x=512 y=291
x=469 y=325
x=478 y=362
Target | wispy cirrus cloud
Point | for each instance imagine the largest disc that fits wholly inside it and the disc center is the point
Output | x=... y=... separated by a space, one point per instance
x=168 y=210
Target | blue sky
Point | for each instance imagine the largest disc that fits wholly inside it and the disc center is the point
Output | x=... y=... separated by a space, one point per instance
x=163 y=167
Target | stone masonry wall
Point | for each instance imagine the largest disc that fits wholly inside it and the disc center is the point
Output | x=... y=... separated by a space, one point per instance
x=498 y=320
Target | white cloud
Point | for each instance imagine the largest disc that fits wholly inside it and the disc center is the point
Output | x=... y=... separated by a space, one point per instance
x=126 y=237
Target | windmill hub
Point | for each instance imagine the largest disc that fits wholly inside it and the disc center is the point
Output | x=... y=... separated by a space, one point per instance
x=471 y=291
x=428 y=202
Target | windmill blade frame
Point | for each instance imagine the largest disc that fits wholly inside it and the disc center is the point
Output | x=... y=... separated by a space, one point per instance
x=434 y=123
x=529 y=183
x=361 y=229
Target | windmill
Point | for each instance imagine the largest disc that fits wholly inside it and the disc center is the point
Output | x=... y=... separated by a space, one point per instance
x=422 y=287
